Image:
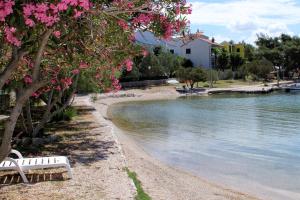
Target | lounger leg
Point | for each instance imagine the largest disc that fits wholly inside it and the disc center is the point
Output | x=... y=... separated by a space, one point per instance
x=69 y=170
x=23 y=175
x=19 y=169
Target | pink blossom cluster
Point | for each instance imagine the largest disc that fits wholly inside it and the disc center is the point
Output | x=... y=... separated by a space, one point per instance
x=145 y=53
x=82 y=4
x=83 y=65
x=128 y=64
x=123 y=24
x=10 y=37
x=48 y=14
x=6 y=8
x=143 y=19
x=75 y=71
x=27 y=79
x=66 y=82
x=168 y=27
x=116 y=84
x=182 y=8
x=42 y=12
x=57 y=34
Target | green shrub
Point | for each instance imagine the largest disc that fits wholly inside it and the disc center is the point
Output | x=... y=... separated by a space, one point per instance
x=226 y=74
x=67 y=115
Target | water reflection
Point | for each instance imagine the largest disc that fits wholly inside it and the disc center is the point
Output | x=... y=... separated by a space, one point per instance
x=245 y=141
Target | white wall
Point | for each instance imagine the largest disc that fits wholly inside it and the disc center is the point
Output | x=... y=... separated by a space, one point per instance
x=200 y=50
x=200 y=53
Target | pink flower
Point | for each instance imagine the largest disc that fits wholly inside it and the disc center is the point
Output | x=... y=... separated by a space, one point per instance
x=128 y=63
x=143 y=19
x=53 y=81
x=9 y=33
x=57 y=34
x=58 y=88
x=35 y=94
x=98 y=76
x=83 y=65
x=77 y=13
x=29 y=22
x=28 y=79
x=75 y=71
x=6 y=9
x=130 y=5
x=66 y=82
x=123 y=25
x=145 y=53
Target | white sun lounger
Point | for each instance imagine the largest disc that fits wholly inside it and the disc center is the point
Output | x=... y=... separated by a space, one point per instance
x=24 y=164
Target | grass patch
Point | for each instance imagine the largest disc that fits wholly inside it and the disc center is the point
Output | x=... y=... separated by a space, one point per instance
x=227 y=83
x=141 y=194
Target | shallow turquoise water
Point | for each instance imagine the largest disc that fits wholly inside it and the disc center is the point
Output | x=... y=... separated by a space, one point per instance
x=246 y=142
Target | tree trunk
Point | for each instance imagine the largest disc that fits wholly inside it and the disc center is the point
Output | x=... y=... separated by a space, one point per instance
x=11 y=66
x=14 y=115
x=39 y=55
x=28 y=117
x=48 y=115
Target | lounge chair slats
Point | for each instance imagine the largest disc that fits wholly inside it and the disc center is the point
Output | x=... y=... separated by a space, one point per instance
x=24 y=164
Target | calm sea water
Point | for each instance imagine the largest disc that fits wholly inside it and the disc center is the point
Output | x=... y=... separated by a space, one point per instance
x=246 y=142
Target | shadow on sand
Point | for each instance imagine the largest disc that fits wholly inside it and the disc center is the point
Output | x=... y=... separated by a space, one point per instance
x=79 y=141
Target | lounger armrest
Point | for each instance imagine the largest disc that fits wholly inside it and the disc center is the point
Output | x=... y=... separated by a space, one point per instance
x=17 y=153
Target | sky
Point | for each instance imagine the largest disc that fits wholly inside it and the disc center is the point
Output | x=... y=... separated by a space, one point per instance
x=242 y=20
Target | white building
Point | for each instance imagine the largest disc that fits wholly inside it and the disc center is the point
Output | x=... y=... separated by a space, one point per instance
x=196 y=47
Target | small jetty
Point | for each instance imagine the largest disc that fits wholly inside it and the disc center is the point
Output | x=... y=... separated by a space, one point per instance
x=243 y=90
x=253 y=89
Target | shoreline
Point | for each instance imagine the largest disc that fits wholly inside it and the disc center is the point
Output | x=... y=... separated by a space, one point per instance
x=160 y=180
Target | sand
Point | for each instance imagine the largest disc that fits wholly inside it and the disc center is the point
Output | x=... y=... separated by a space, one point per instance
x=159 y=180
x=96 y=159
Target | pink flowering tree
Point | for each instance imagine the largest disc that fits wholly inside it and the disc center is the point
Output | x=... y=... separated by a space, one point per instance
x=47 y=44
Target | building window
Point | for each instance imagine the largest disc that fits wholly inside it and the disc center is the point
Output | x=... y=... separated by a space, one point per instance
x=238 y=50
x=172 y=51
x=188 y=51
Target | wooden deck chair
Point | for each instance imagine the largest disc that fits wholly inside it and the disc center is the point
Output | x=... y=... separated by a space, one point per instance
x=24 y=164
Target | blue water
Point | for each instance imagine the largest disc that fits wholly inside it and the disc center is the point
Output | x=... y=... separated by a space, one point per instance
x=245 y=142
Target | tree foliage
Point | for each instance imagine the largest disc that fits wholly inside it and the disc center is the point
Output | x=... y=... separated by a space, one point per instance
x=259 y=68
x=47 y=45
x=163 y=65
x=190 y=76
x=222 y=60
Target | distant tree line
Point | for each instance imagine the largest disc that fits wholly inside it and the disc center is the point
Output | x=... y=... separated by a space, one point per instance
x=270 y=54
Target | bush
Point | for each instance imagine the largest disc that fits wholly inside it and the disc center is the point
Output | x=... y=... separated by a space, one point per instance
x=226 y=75
x=191 y=75
x=259 y=68
x=86 y=84
x=212 y=74
x=153 y=67
x=66 y=115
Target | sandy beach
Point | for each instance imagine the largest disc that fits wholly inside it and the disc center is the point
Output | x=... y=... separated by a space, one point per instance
x=159 y=180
